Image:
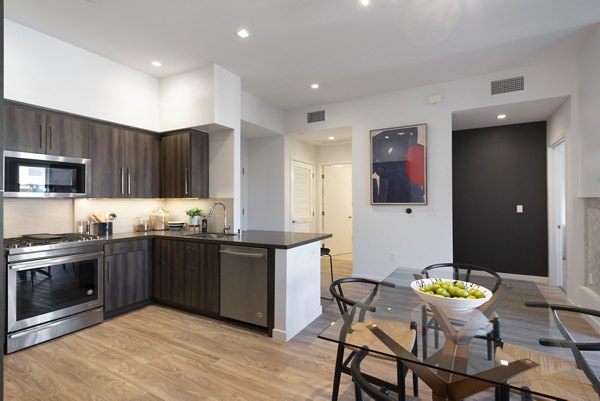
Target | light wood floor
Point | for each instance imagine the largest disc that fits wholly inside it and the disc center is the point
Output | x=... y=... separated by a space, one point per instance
x=157 y=353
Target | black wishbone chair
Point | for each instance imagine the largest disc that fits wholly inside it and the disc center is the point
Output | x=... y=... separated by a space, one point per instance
x=360 y=381
x=463 y=272
x=404 y=333
x=577 y=381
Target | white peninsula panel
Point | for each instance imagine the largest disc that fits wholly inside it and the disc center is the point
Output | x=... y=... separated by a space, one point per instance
x=297 y=289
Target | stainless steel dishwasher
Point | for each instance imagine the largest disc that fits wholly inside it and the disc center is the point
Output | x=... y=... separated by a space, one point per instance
x=244 y=284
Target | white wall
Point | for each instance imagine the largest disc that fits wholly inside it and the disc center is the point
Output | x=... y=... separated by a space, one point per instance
x=265 y=174
x=425 y=236
x=228 y=113
x=262 y=113
x=336 y=154
x=44 y=71
x=588 y=104
x=589 y=119
x=187 y=99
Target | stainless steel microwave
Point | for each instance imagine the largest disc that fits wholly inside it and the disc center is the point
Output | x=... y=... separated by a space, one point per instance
x=32 y=175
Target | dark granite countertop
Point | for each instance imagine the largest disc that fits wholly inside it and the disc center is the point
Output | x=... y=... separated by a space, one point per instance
x=257 y=238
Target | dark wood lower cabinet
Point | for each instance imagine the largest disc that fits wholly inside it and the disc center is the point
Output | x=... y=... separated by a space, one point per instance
x=186 y=274
x=126 y=276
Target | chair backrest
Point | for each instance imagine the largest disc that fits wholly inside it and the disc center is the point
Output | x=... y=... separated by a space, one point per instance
x=361 y=383
x=337 y=291
x=569 y=341
x=466 y=272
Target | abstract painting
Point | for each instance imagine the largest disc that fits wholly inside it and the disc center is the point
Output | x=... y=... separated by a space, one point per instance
x=399 y=165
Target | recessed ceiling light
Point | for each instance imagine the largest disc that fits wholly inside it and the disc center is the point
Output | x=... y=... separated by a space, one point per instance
x=387 y=137
x=365 y=2
x=243 y=33
x=156 y=63
x=501 y=116
x=314 y=86
x=331 y=138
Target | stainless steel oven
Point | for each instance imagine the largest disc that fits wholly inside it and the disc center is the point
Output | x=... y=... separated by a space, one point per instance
x=52 y=289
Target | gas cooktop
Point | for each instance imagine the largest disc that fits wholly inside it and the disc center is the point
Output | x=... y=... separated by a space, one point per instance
x=40 y=240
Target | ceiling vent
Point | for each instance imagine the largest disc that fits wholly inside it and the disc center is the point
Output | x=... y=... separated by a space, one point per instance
x=315 y=116
x=508 y=85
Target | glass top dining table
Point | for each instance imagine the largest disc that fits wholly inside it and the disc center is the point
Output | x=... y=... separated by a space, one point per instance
x=460 y=365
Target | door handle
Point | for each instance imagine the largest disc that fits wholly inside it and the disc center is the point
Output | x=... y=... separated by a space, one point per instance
x=294 y=221
x=122 y=180
x=163 y=251
x=185 y=181
x=108 y=271
x=128 y=182
x=41 y=137
x=50 y=139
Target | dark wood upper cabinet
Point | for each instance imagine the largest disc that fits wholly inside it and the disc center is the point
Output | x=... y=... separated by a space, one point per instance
x=124 y=162
x=106 y=152
x=142 y=154
x=184 y=165
x=29 y=129
x=67 y=136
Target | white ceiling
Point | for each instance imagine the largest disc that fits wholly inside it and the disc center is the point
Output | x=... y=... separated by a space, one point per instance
x=351 y=50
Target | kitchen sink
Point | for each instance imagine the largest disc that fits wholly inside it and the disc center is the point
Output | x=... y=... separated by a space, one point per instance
x=212 y=235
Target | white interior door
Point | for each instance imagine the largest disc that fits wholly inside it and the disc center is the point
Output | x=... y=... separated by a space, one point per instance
x=560 y=220
x=302 y=196
x=337 y=207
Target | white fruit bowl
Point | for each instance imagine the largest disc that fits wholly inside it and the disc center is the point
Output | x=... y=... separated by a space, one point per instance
x=451 y=303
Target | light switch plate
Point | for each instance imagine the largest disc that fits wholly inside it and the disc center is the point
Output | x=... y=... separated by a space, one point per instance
x=519 y=208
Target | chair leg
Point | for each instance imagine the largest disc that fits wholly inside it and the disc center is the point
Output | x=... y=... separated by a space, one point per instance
x=331 y=266
x=339 y=360
x=502 y=393
x=415 y=352
x=358 y=394
x=436 y=334
x=401 y=372
x=424 y=330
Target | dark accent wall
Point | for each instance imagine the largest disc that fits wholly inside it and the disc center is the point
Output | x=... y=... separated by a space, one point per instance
x=493 y=170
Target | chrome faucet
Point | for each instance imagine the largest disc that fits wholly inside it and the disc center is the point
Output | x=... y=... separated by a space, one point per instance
x=210 y=213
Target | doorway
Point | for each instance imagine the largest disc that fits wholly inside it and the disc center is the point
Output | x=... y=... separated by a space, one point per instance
x=558 y=183
x=337 y=208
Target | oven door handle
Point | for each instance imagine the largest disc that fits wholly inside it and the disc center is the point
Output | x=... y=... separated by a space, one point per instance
x=36 y=264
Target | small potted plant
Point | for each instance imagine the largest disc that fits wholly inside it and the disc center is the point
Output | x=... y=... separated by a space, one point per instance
x=194 y=214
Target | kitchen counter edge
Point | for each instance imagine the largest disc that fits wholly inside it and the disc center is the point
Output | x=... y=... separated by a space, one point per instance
x=255 y=238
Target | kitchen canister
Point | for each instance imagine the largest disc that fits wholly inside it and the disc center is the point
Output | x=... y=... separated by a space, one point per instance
x=160 y=219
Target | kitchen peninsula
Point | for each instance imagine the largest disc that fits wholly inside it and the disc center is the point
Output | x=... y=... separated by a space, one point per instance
x=293 y=270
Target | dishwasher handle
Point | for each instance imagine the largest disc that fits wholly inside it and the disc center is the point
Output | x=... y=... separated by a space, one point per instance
x=245 y=254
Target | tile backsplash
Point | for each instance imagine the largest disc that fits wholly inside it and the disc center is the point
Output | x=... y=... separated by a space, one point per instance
x=30 y=216
x=34 y=216
x=592 y=243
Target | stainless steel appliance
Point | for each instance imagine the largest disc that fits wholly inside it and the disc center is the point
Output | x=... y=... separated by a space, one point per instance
x=54 y=286
x=32 y=175
x=244 y=284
